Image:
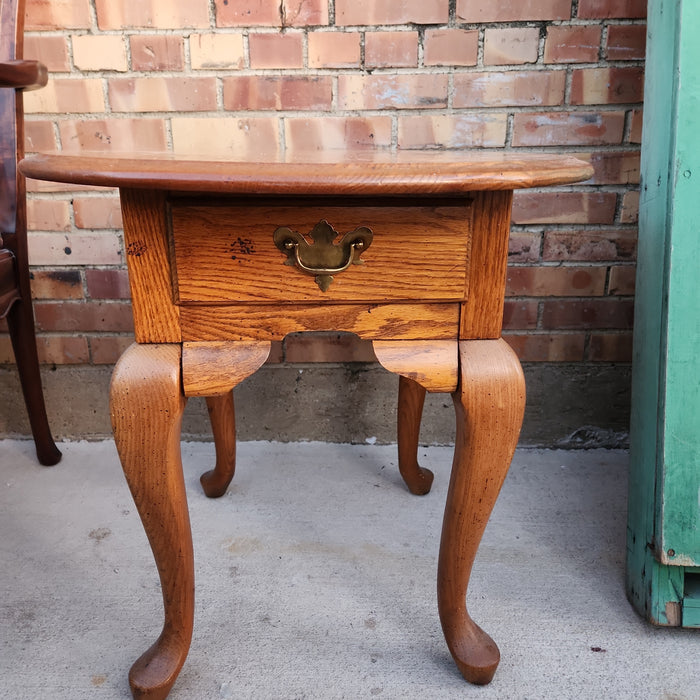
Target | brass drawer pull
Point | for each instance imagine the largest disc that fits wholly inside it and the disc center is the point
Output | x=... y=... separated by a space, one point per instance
x=323 y=258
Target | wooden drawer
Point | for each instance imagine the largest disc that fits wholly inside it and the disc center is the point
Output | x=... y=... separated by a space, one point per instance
x=225 y=253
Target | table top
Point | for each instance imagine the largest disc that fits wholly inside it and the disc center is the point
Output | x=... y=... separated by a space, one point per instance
x=312 y=173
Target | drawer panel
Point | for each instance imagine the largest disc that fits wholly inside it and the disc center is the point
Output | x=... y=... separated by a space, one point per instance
x=225 y=253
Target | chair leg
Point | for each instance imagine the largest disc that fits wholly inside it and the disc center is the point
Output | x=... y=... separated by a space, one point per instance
x=223 y=425
x=489 y=404
x=410 y=410
x=20 y=321
x=146 y=404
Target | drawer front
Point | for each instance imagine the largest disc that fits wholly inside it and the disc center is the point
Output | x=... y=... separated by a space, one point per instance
x=226 y=253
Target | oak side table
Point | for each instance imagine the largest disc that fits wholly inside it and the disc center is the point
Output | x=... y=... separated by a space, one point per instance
x=407 y=250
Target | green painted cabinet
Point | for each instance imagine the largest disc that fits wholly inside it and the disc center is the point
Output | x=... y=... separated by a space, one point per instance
x=663 y=538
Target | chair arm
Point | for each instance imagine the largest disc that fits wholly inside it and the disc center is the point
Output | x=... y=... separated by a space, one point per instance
x=23 y=75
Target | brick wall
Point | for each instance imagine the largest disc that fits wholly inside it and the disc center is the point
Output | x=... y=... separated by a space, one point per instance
x=242 y=75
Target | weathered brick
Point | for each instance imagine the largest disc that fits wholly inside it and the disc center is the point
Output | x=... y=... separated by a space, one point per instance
x=52 y=51
x=392 y=91
x=572 y=44
x=450 y=47
x=520 y=315
x=97 y=212
x=327 y=347
x=391 y=49
x=629 y=214
x=516 y=88
x=610 y=347
x=154 y=52
x=607 y=9
x=556 y=281
x=511 y=45
x=66 y=95
x=56 y=284
x=278 y=92
x=216 y=51
x=74 y=249
x=99 y=52
x=57 y=14
x=636 y=126
x=597 y=245
x=509 y=11
x=39 y=136
x=140 y=134
x=62 y=349
x=613 y=167
x=107 y=284
x=176 y=94
x=622 y=280
x=452 y=131
x=606 y=85
x=568 y=128
x=524 y=246
x=107 y=349
x=373 y=12
x=251 y=13
x=156 y=14
x=589 y=313
x=48 y=215
x=334 y=49
x=547 y=347
x=332 y=133
x=242 y=137
x=107 y=316
x=626 y=42
x=564 y=207
x=304 y=13
x=276 y=50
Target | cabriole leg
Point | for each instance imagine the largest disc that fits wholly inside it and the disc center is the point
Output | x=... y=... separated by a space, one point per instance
x=489 y=404
x=223 y=426
x=410 y=410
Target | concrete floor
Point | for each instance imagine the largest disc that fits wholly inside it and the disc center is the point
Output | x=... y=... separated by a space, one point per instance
x=316 y=580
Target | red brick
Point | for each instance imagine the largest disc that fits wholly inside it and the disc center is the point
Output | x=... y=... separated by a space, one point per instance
x=629 y=214
x=622 y=280
x=452 y=131
x=392 y=91
x=373 y=12
x=176 y=94
x=48 y=215
x=510 y=11
x=334 y=49
x=107 y=284
x=277 y=92
x=450 y=47
x=327 y=347
x=251 y=13
x=610 y=347
x=158 y=14
x=516 y=88
x=608 y=9
x=564 y=207
x=626 y=42
x=304 y=13
x=391 y=49
x=547 y=347
x=107 y=349
x=587 y=314
x=332 y=133
x=142 y=134
x=157 y=52
x=112 y=316
x=511 y=45
x=57 y=14
x=520 y=315
x=276 y=50
x=568 y=128
x=613 y=167
x=97 y=212
x=572 y=44
x=556 y=281
x=524 y=246
x=56 y=284
x=52 y=51
x=636 y=126
x=62 y=350
x=66 y=95
x=39 y=136
x=606 y=85
x=597 y=245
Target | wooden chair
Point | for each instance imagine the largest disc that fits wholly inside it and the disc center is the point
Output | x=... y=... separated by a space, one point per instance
x=17 y=75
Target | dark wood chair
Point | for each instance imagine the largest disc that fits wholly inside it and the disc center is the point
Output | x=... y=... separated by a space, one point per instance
x=17 y=75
